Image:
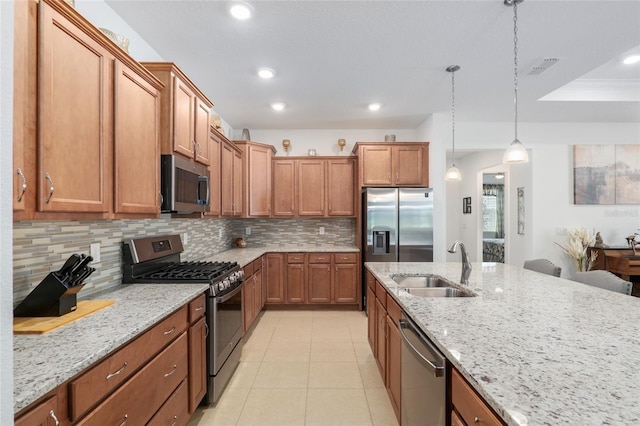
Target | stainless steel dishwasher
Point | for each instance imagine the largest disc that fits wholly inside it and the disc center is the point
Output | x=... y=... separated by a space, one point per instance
x=424 y=380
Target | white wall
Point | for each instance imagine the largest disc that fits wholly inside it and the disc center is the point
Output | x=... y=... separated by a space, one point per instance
x=548 y=184
x=6 y=212
x=102 y=16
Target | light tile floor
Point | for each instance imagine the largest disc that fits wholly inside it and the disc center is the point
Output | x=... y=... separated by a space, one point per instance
x=304 y=368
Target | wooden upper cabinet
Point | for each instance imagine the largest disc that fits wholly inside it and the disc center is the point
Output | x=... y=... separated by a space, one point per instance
x=184 y=117
x=284 y=187
x=340 y=184
x=75 y=110
x=215 y=173
x=237 y=183
x=393 y=164
x=136 y=142
x=256 y=178
x=377 y=165
x=226 y=178
x=311 y=187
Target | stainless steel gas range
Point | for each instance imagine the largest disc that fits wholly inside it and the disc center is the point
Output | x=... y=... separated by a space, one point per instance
x=157 y=260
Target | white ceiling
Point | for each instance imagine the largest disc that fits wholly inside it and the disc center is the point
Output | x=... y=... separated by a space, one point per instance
x=332 y=58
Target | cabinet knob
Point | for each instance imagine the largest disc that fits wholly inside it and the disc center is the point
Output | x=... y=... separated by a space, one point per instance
x=24 y=185
x=47 y=177
x=476 y=420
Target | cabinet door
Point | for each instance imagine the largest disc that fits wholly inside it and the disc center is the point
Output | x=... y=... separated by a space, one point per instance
x=237 y=183
x=284 y=188
x=136 y=143
x=381 y=338
x=75 y=118
x=184 y=103
x=344 y=283
x=376 y=165
x=259 y=181
x=248 y=292
x=215 y=150
x=257 y=294
x=201 y=132
x=197 y=363
x=311 y=187
x=275 y=278
x=408 y=165
x=43 y=414
x=372 y=329
x=295 y=283
x=394 y=363
x=226 y=179
x=319 y=283
x=25 y=48
x=340 y=187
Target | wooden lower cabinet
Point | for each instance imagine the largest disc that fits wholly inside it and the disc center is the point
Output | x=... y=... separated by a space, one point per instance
x=275 y=278
x=394 y=355
x=319 y=283
x=468 y=405
x=197 y=386
x=295 y=283
x=43 y=414
x=139 y=398
x=371 y=320
x=174 y=411
x=252 y=293
x=345 y=283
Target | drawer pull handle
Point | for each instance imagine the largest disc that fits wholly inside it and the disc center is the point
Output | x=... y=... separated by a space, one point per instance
x=476 y=420
x=126 y=417
x=199 y=309
x=206 y=327
x=170 y=331
x=175 y=421
x=173 y=370
x=53 y=416
x=345 y=258
x=24 y=184
x=110 y=375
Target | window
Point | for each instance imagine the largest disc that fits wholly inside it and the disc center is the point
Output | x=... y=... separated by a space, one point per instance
x=489 y=214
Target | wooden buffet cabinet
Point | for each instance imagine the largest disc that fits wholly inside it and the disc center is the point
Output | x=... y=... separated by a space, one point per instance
x=157 y=378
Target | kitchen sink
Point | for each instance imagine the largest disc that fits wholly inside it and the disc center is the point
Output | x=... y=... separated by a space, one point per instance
x=421 y=281
x=437 y=292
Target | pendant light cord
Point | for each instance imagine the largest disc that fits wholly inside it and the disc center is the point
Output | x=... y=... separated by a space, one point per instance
x=515 y=65
x=453 y=116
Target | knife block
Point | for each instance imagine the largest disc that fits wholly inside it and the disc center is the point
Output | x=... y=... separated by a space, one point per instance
x=50 y=298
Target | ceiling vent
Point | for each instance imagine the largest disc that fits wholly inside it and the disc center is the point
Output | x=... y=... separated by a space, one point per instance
x=542 y=65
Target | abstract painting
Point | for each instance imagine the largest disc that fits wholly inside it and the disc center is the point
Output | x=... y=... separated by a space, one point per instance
x=606 y=174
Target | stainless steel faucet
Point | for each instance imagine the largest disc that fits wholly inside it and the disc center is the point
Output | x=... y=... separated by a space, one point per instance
x=466 y=265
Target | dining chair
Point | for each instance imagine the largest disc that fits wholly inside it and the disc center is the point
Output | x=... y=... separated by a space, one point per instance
x=604 y=279
x=544 y=266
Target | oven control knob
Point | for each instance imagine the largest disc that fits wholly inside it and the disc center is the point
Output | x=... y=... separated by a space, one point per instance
x=221 y=286
x=240 y=274
x=232 y=279
x=227 y=284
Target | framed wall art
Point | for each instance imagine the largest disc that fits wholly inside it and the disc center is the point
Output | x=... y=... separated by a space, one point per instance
x=521 y=211
x=466 y=205
x=606 y=174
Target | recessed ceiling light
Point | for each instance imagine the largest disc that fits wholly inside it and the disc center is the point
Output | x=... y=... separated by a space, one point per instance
x=278 y=106
x=374 y=107
x=266 y=73
x=633 y=59
x=240 y=10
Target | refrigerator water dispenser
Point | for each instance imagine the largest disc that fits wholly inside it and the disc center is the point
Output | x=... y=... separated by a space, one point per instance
x=380 y=242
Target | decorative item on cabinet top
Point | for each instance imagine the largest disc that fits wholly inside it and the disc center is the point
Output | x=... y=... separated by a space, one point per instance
x=241 y=242
x=118 y=39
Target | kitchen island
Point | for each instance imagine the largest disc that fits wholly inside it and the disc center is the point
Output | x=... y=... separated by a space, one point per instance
x=538 y=349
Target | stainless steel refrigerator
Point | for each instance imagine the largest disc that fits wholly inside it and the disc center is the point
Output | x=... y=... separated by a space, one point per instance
x=397 y=225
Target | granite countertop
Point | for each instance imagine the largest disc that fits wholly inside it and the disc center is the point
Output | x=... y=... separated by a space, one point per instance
x=41 y=362
x=539 y=349
x=246 y=255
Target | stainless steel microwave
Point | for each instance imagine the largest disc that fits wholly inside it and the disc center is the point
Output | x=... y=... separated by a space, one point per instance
x=184 y=185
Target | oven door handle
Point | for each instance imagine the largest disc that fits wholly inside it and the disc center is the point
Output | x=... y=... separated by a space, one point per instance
x=226 y=297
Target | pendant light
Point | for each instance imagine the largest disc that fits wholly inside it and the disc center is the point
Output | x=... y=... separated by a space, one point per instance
x=453 y=173
x=516 y=153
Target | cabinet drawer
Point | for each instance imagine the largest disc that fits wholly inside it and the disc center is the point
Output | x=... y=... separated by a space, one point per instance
x=257 y=265
x=197 y=308
x=456 y=420
x=371 y=281
x=44 y=414
x=381 y=294
x=139 y=398
x=295 y=258
x=175 y=410
x=319 y=258
x=345 y=257
x=91 y=387
x=248 y=270
x=469 y=404
x=393 y=310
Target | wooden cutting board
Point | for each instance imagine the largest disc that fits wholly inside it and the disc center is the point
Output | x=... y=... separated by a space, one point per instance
x=40 y=325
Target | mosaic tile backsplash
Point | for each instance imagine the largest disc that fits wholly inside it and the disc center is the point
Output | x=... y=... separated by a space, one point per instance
x=40 y=247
